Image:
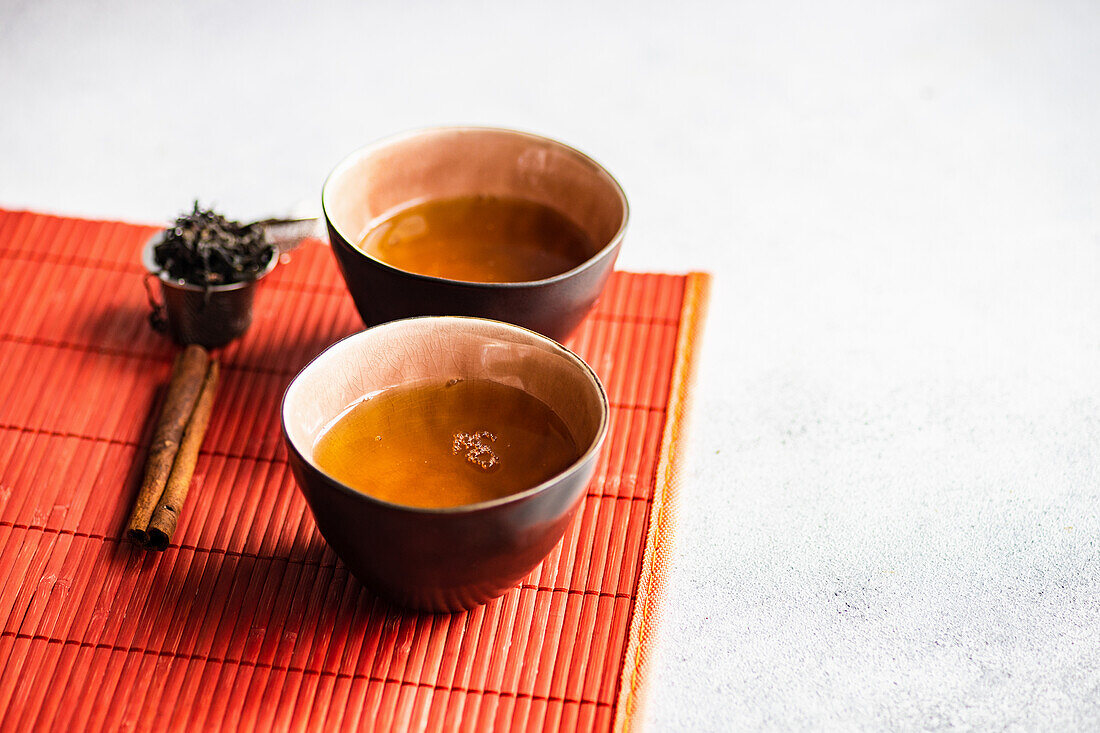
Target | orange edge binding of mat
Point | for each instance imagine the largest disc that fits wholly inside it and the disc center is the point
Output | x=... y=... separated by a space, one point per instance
x=662 y=516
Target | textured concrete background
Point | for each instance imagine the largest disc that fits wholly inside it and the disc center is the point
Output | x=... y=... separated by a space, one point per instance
x=890 y=514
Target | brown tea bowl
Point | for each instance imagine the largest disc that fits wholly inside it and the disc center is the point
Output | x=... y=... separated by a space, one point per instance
x=451 y=558
x=444 y=162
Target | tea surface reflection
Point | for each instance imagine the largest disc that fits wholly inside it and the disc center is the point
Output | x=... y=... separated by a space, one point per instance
x=486 y=239
x=445 y=444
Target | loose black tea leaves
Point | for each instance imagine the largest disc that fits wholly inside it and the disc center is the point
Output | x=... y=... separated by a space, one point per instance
x=204 y=248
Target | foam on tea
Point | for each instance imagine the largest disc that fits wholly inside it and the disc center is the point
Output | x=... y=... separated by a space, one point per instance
x=480 y=239
x=445 y=444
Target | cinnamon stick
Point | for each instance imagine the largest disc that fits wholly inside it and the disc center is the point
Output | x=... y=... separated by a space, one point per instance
x=167 y=512
x=188 y=374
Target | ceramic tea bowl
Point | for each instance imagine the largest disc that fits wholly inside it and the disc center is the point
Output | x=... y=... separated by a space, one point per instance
x=453 y=558
x=445 y=162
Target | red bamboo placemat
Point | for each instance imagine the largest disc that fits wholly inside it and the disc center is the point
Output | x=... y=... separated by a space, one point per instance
x=248 y=620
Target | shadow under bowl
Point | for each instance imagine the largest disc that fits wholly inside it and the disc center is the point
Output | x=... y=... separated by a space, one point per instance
x=445 y=162
x=452 y=558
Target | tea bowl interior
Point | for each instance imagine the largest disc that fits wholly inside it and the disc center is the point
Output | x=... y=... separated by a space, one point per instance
x=439 y=349
x=374 y=182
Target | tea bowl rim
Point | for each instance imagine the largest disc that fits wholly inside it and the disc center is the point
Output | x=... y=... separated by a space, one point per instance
x=359 y=153
x=591 y=452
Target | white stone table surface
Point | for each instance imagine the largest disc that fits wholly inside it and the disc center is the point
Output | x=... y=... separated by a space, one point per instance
x=890 y=514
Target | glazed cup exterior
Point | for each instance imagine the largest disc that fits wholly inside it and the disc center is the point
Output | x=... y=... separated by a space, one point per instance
x=440 y=562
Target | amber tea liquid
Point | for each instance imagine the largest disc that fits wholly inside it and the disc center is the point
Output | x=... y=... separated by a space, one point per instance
x=480 y=239
x=446 y=444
